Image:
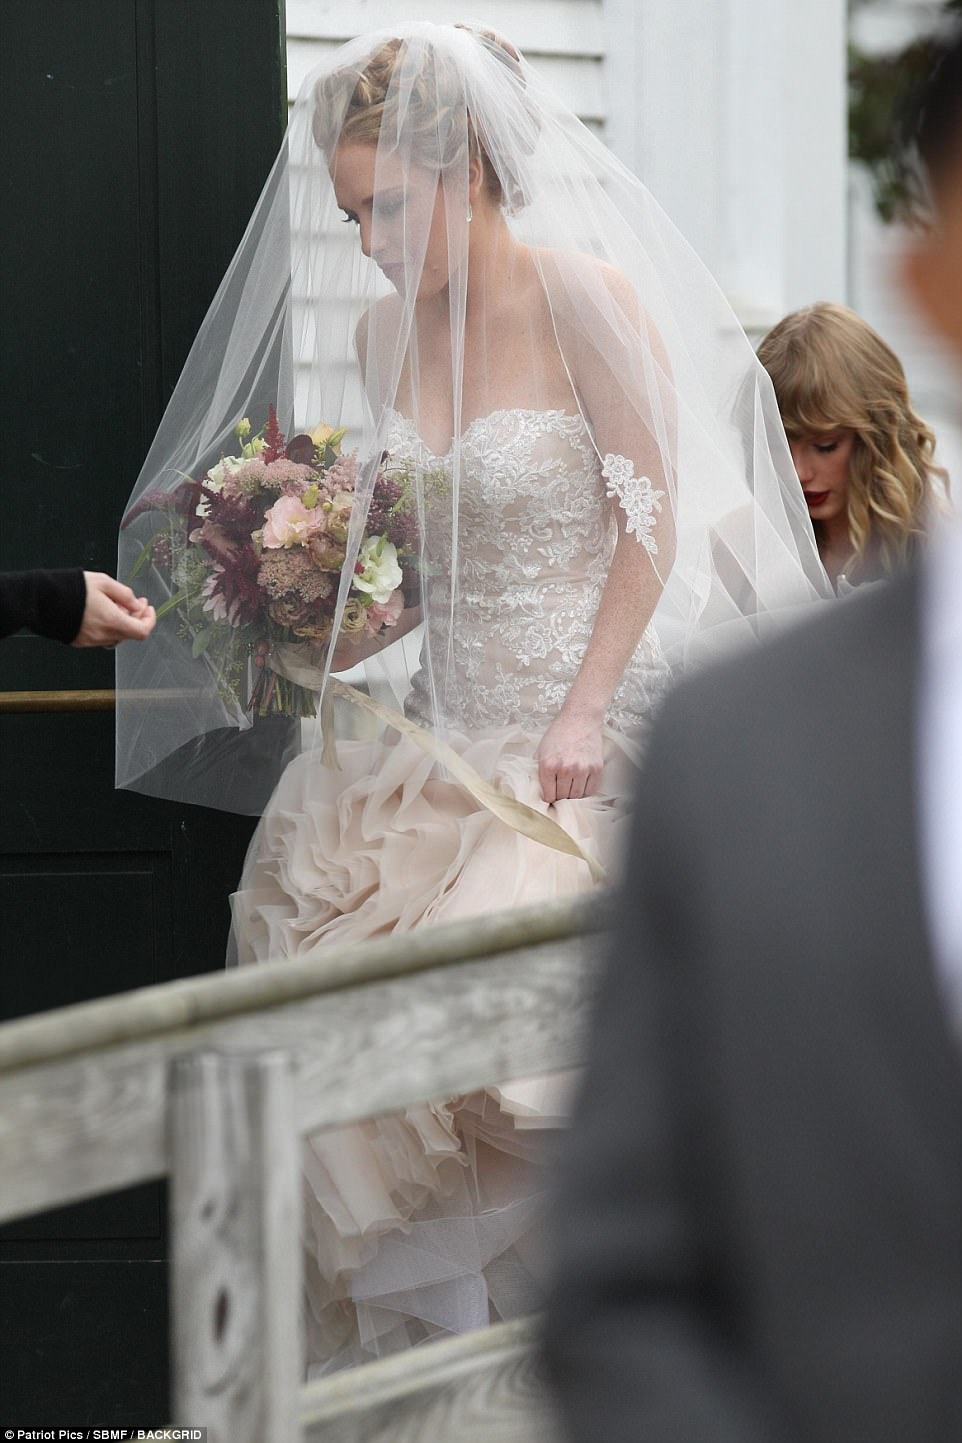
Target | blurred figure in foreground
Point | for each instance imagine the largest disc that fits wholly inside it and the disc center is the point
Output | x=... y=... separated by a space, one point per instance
x=759 y=1229
x=863 y=456
x=82 y=608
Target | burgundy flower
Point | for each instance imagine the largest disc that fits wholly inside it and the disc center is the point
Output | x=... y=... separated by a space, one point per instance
x=237 y=584
x=301 y=450
x=237 y=516
x=273 y=437
x=385 y=495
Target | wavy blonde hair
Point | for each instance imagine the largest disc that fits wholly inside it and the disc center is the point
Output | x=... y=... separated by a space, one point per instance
x=831 y=372
x=352 y=105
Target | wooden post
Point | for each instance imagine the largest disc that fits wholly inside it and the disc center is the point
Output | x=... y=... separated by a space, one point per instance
x=236 y=1265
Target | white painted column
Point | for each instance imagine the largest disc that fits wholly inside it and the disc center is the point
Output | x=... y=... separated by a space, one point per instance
x=733 y=112
x=815 y=151
x=665 y=107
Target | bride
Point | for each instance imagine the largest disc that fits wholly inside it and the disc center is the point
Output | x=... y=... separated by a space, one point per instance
x=604 y=495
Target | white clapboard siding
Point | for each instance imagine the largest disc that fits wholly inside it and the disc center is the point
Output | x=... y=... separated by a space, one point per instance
x=576 y=79
x=564 y=38
x=544 y=27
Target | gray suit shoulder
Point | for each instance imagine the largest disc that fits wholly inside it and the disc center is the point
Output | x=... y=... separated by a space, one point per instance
x=846 y=653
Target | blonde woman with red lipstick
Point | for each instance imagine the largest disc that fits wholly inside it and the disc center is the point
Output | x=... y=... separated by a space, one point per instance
x=863 y=456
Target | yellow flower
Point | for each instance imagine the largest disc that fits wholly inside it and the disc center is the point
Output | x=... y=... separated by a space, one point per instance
x=243 y=428
x=327 y=436
x=311 y=496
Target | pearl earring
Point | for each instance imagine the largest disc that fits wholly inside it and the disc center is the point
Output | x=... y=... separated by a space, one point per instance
x=470 y=213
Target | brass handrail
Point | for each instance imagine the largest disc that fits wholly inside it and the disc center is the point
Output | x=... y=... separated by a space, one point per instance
x=91 y=699
x=14 y=702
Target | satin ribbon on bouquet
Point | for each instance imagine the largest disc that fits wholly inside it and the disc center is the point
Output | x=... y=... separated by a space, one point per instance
x=288 y=659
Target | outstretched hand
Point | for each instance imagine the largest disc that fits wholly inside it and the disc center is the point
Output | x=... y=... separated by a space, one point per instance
x=113 y=613
x=570 y=758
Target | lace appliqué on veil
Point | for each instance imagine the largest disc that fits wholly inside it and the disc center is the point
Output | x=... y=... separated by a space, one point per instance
x=636 y=496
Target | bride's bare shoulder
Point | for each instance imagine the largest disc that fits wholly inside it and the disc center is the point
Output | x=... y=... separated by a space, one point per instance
x=598 y=314
x=570 y=276
x=382 y=320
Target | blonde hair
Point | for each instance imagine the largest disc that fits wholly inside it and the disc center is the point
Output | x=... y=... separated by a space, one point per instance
x=831 y=372
x=352 y=105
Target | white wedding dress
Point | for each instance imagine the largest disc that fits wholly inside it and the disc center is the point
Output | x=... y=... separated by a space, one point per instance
x=426 y=1222
x=559 y=277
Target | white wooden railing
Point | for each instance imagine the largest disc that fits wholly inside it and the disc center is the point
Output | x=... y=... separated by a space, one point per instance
x=214 y=1080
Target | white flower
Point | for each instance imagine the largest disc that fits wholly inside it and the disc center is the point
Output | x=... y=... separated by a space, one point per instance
x=218 y=474
x=216 y=477
x=379 y=574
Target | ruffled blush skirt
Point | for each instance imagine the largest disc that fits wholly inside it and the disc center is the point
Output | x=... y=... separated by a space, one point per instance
x=426 y=1222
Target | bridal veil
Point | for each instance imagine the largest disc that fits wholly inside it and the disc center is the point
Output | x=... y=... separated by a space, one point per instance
x=630 y=335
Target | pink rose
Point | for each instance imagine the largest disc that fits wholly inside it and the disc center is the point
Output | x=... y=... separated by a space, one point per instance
x=289 y=523
x=385 y=613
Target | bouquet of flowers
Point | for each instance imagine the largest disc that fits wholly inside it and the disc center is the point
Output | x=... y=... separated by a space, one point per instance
x=252 y=553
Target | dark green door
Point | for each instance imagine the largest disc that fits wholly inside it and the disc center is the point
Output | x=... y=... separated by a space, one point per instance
x=136 y=137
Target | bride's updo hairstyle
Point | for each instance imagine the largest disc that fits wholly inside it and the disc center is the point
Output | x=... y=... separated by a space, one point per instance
x=432 y=99
x=831 y=372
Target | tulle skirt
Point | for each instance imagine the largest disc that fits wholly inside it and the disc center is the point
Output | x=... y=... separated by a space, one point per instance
x=425 y=1222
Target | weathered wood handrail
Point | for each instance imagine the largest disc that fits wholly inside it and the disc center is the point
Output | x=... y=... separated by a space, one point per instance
x=146 y=1011
x=152 y=1083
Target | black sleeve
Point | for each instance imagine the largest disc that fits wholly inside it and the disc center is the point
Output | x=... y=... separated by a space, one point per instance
x=50 y=603
x=635 y=1343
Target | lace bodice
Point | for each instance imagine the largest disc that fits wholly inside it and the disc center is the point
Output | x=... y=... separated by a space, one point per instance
x=535 y=540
